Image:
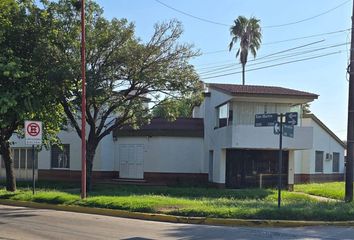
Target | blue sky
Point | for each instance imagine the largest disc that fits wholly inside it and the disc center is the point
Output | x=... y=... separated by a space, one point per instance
x=325 y=75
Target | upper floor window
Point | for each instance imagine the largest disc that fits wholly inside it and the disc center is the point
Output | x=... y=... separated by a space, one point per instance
x=224 y=115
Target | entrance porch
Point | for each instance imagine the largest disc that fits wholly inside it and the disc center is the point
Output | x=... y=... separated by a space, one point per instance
x=254 y=168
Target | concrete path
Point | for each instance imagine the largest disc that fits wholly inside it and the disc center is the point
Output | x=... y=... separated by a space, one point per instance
x=39 y=224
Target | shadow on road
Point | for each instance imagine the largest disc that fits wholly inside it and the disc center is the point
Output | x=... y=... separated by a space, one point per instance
x=17 y=213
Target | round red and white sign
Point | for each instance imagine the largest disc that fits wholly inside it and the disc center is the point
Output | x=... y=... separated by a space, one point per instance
x=33 y=132
x=33 y=129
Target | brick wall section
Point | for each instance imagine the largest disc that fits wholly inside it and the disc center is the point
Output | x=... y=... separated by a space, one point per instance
x=189 y=179
x=70 y=175
x=322 y=177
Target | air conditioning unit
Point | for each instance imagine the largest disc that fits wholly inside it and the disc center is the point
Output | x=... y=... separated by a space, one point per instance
x=328 y=156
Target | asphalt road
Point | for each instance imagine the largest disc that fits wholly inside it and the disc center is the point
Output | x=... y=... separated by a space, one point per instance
x=27 y=223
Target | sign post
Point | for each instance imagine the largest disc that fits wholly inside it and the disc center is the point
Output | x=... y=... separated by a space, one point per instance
x=280 y=157
x=281 y=127
x=33 y=136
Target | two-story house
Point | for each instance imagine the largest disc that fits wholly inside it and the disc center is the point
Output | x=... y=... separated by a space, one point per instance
x=238 y=154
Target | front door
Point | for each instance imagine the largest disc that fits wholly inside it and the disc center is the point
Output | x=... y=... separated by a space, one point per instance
x=131 y=161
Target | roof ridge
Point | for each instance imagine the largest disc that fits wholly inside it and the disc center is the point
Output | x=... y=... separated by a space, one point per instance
x=260 y=89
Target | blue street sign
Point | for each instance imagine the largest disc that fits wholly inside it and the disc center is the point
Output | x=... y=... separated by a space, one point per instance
x=288 y=130
x=291 y=118
x=265 y=120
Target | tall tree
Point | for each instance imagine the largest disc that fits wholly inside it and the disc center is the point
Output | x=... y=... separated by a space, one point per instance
x=122 y=71
x=248 y=33
x=25 y=93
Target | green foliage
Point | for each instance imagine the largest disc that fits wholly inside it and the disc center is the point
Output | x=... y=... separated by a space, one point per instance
x=26 y=93
x=248 y=33
x=123 y=73
x=174 y=108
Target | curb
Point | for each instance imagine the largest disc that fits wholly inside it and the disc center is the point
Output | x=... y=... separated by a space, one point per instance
x=176 y=219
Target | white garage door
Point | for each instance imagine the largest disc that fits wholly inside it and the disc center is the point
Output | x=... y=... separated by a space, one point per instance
x=131 y=161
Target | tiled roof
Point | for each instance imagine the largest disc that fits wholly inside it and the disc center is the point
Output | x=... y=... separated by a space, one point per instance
x=234 y=89
x=188 y=127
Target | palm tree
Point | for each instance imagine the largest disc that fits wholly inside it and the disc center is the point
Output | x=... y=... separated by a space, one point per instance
x=248 y=32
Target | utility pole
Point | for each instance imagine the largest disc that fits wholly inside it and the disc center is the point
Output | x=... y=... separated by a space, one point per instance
x=83 y=102
x=350 y=131
x=280 y=157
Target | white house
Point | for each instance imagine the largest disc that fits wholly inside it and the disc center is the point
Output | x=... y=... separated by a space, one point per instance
x=220 y=145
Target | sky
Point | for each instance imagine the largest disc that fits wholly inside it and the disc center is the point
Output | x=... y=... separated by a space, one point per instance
x=308 y=41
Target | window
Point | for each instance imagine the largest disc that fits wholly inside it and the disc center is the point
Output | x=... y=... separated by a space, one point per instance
x=16 y=158
x=30 y=160
x=224 y=115
x=60 y=157
x=319 y=161
x=22 y=158
x=335 y=163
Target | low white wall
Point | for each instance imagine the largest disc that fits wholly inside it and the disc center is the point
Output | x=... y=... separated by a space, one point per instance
x=167 y=154
x=103 y=161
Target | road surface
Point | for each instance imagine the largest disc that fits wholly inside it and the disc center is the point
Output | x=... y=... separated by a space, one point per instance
x=38 y=224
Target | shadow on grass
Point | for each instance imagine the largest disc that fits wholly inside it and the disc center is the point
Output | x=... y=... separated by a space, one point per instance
x=128 y=190
x=180 y=192
x=7 y=195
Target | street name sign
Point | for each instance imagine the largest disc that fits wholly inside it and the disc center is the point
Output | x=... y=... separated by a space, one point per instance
x=291 y=118
x=288 y=130
x=265 y=120
x=33 y=132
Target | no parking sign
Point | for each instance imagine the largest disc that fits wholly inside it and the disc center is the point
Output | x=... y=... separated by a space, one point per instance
x=33 y=132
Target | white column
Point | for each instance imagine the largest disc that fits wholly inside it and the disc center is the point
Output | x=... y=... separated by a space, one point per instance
x=291 y=169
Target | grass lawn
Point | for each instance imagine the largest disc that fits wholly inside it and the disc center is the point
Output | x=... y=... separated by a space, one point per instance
x=335 y=190
x=224 y=203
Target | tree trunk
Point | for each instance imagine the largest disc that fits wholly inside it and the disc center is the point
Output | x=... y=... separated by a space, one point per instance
x=243 y=73
x=90 y=154
x=9 y=167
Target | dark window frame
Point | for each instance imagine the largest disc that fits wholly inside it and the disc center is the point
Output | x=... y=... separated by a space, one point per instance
x=60 y=157
x=319 y=162
x=335 y=162
x=223 y=121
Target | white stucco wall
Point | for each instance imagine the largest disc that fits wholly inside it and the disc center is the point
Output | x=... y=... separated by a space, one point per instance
x=322 y=141
x=103 y=161
x=168 y=154
x=219 y=165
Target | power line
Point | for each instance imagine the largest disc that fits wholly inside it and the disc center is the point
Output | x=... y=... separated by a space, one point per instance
x=294 y=48
x=273 y=65
x=287 y=40
x=192 y=16
x=309 y=18
x=270 y=26
x=286 y=50
x=274 y=60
